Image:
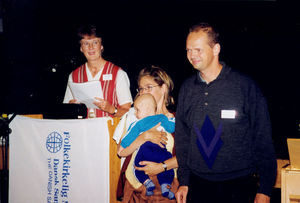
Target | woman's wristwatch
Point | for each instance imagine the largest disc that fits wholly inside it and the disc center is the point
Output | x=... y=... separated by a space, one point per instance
x=115 y=112
x=164 y=165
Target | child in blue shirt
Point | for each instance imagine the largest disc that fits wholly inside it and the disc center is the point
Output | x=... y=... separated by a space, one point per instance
x=145 y=111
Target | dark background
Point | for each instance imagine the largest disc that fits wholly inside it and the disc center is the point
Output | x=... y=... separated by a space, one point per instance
x=259 y=38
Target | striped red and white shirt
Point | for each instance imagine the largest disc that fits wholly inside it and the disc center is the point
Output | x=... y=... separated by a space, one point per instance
x=114 y=82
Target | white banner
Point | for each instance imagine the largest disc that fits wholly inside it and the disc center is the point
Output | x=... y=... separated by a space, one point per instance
x=59 y=161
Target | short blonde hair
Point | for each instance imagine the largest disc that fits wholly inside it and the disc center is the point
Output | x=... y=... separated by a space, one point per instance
x=212 y=33
x=147 y=98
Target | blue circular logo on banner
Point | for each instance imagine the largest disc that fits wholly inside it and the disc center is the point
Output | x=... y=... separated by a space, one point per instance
x=54 y=142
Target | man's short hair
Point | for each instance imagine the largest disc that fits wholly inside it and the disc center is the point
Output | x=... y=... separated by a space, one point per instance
x=88 y=30
x=212 y=34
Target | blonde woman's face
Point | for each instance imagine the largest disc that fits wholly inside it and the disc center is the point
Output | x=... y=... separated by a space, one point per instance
x=148 y=85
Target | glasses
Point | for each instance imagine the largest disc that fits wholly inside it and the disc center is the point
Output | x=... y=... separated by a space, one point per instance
x=88 y=43
x=147 y=88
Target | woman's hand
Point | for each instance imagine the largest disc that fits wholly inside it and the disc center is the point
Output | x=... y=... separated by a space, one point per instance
x=153 y=168
x=155 y=136
x=104 y=105
x=150 y=168
x=73 y=101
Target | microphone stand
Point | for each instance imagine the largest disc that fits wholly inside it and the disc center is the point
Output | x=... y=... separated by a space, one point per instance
x=4 y=136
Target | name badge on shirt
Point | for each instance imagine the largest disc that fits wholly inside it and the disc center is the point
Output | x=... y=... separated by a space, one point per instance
x=229 y=114
x=107 y=77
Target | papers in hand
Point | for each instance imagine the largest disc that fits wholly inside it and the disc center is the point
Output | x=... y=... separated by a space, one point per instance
x=86 y=92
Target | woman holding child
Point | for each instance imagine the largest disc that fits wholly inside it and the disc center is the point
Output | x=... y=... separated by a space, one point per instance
x=156 y=82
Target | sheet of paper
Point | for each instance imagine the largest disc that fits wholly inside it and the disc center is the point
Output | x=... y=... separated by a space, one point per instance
x=86 y=92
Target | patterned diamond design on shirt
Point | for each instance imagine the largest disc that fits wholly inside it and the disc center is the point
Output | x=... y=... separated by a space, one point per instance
x=209 y=141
